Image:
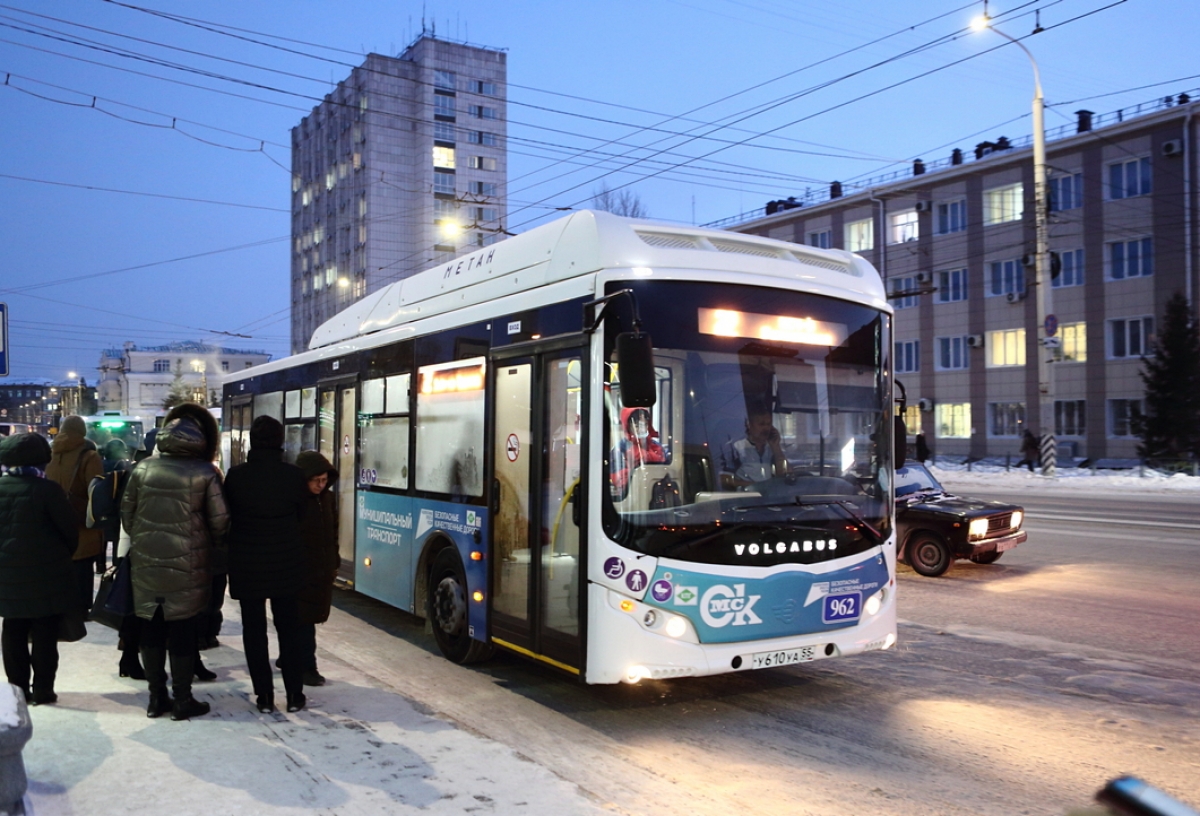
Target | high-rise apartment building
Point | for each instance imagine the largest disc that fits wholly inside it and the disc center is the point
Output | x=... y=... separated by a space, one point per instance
x=955 y=242
x=401 y=167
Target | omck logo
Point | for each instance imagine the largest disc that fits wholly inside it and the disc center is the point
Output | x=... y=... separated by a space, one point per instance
x=720 y=606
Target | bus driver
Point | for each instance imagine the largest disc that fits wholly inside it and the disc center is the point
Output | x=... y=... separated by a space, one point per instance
x=757 y=457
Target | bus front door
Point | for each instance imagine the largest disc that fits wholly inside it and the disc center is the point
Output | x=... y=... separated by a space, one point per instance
x=537 y=558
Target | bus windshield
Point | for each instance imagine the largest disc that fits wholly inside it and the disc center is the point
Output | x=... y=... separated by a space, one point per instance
x=769 y=442
x=105 y=430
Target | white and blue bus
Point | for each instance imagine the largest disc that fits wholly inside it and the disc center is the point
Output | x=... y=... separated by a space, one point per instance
x=543 y=447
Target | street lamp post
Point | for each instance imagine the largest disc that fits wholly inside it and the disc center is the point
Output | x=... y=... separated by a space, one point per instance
x=1041 y=203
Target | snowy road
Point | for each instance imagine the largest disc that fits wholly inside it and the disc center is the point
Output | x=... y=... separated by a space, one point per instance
x=1017 y=688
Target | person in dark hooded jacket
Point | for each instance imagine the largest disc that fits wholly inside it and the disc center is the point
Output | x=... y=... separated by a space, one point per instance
x=38 y=534
x=73 y=464
x=321 y=557
x=174 y=511
x=266 y=558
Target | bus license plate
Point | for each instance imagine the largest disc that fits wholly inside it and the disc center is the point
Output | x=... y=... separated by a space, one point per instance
x=785 y=657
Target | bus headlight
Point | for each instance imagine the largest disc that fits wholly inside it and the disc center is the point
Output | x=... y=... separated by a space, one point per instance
x=978 y=528
x=875 y=603
x=676 y=626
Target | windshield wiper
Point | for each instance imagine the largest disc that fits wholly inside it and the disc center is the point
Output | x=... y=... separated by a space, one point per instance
x=852 y=513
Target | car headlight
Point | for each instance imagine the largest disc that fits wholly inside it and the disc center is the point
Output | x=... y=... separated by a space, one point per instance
x=978 y=528
x=1017 y=518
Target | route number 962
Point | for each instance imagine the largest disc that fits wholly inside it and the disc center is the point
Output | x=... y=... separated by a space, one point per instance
x=837 y=608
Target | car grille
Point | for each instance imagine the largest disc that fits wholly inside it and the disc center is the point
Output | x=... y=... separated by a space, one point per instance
x=997 y=524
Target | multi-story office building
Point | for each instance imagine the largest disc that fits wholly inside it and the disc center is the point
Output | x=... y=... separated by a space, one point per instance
x=32 y=403
x=955 y=242
x=401 y=167
x=136 y=380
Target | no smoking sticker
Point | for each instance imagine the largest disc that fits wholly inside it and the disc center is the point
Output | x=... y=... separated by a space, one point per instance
x=512 y=447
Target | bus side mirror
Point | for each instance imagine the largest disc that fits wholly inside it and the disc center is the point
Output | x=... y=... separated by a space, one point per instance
x=900 y=440
x=635 y=360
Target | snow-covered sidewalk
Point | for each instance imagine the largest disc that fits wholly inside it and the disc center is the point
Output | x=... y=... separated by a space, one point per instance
x=1066 y=479
x=359 y=748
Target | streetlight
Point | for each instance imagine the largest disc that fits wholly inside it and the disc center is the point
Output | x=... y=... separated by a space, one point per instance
x=202 y=367
x=1045 y=313
x=74 y=404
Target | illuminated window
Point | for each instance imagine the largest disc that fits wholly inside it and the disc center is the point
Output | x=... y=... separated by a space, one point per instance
x=1001 y=204
x=1006 y=348
x=904 y=227
x=443 y=157
x=860 y=235
x=953 y=420
x=1074 y=342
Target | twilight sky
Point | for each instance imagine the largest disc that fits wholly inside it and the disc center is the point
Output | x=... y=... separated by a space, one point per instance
x=159 y=211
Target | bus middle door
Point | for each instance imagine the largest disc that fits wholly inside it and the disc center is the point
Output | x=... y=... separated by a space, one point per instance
x=537 y=569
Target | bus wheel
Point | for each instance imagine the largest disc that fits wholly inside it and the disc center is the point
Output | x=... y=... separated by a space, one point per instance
x=928 y=554
x=447 y=610
x=987 y=557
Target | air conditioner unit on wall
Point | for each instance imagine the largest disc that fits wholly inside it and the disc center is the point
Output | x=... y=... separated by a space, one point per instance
x=923 y=206
x=925 y=405
x=1172 y=147
x=1015 y=297
x=975 y=340
x=924 y=277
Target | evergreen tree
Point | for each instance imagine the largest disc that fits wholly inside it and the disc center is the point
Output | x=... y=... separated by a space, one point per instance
x=180 y=391
x=1169 y=426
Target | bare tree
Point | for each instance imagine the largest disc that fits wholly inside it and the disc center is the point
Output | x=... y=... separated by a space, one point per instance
x=619 y=202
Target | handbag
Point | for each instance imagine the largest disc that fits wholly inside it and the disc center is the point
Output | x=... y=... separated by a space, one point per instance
x=112 y=596
x=71 y=627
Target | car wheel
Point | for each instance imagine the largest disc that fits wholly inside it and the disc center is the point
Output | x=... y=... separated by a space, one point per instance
x=447 y=610
x=928 y=554
x=987 y=557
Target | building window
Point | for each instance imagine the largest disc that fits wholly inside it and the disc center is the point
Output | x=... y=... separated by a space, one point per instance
x=482 y=163
x=485 y=88
x=952 y=286
x=483 y=188
x=1070 y=268
x=483 y=112
x=444 y=79
x=860 y=235
x=484 y=214
x=953 y=420
x=1066 y=192
x=952 y=217
x=904 y=301
x=444 y=210
x=161 y=366
x=904 y=227
x=908 y=357
x=1129 y=337
x=224 y=365
x=1130 y=259
x=1074 y=342
x=443 y=105
x=1006 y=418
x=1128 y=179
x=1002 y=204
x=443 y=181
x=444 y=132
x=443 y=157
x=951 y=354
x=1006 y=348
x=1121 y=416
x=1007 y=278
x=821 y=240
x=482 y=137
x=1070 y=417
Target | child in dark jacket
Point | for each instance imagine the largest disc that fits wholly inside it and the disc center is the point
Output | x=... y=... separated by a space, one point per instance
x=321 y=558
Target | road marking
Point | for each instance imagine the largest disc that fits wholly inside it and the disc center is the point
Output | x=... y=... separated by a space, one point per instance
x=1098 y=519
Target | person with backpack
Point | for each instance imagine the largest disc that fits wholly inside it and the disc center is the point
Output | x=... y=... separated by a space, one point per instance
x=38 y=535
x=74 y=463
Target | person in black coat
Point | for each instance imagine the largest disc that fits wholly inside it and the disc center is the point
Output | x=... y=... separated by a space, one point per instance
x=321 y=556
x=266 y=499
x=38 y=535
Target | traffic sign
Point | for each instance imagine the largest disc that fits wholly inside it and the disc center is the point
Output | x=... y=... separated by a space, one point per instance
x=3 y=339
x=1051 y=325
